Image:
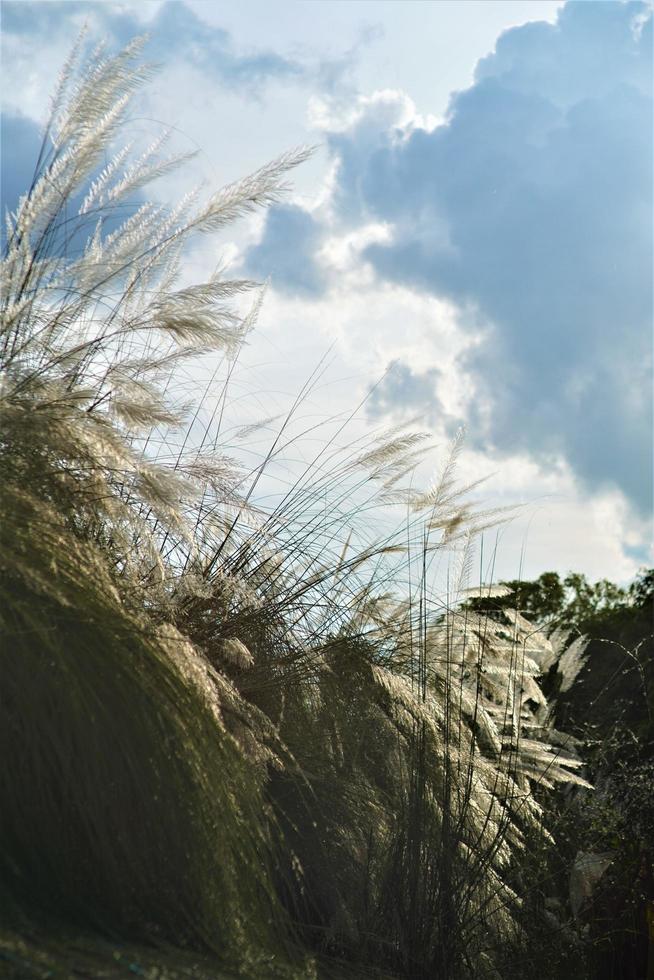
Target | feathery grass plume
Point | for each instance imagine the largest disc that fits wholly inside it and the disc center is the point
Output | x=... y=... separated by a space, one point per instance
x=232 y=726
x=89 y=337
x=127 y=804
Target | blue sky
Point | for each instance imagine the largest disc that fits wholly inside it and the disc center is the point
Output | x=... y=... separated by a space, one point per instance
x=475 y=227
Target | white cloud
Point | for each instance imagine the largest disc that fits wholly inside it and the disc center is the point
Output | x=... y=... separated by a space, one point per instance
x=382 y=109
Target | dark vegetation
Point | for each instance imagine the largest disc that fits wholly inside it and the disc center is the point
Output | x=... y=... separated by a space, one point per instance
x=610 y=709
x=248 y=741
x=612 y=697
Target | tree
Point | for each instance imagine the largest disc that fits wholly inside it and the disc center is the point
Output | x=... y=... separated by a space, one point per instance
x=571 y=603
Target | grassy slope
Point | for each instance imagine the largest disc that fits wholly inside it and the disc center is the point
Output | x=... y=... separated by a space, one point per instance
x=35 y=955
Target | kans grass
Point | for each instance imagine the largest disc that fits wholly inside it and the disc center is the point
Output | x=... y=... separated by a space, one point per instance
x=254 y=736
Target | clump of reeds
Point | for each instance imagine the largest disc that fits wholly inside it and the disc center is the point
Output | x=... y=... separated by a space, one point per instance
x=228 y=727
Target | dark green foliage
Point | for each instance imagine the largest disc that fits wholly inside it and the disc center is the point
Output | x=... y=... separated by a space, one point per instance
x=614 y=695
x=573 y=602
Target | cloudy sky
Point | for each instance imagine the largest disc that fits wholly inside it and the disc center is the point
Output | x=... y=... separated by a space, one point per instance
x=471 y=242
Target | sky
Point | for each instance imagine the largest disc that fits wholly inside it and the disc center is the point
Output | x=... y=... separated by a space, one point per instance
x=470 y=245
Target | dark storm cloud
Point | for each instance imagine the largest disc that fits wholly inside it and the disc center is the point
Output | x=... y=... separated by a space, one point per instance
x=533 y=206
x=531 y=209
